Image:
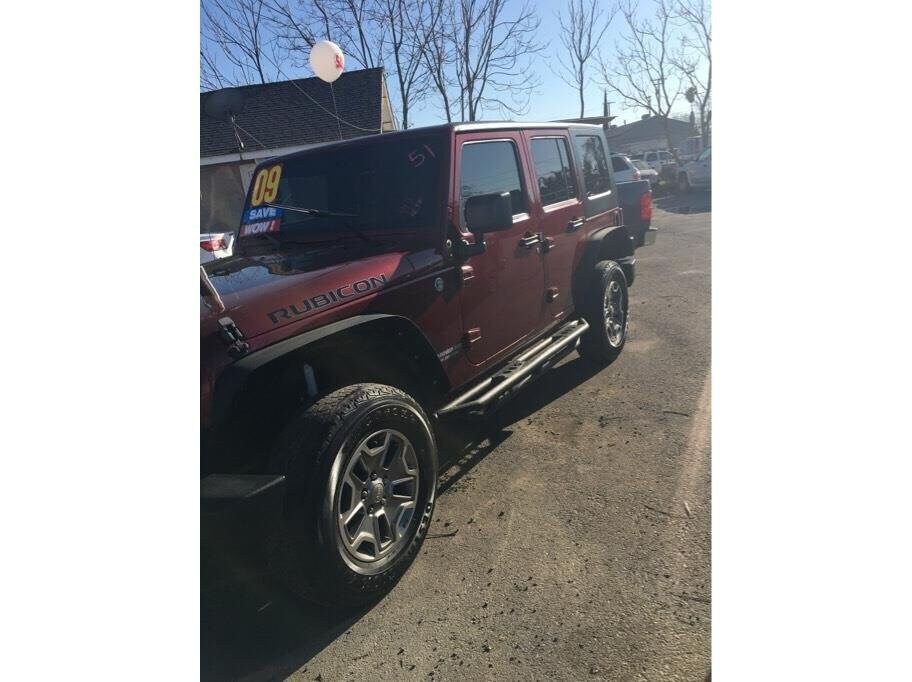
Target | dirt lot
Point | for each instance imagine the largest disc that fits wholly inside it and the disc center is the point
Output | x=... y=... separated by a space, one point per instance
x=582 y=527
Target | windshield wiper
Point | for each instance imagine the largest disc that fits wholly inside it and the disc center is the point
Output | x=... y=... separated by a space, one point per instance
x=316 y=212
x=320 y=213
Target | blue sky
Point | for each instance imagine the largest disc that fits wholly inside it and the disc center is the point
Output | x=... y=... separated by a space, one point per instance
x=553 y=99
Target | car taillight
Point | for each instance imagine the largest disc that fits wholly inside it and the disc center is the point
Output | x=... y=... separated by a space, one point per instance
x=636 y=174
x=214 y=244
x=646 y=206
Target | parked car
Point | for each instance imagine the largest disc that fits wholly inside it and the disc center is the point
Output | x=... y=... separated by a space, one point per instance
x=380 y=288
x=693 y=147
x=214 y=245
x=624 y=170
x=696 y=174
x=657 y=160
x=646 y=172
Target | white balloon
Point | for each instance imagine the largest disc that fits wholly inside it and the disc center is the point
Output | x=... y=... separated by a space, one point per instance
x=327 y=60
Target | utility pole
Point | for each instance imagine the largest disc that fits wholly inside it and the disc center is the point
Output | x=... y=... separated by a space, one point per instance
x=606 y=110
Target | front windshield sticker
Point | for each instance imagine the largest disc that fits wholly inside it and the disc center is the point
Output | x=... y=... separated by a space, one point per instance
x=266 y=185
x=260 y=220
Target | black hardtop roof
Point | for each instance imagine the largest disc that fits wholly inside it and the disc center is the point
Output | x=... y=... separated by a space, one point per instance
x=442 y=128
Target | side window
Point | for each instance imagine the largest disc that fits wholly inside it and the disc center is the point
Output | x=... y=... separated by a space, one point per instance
x=593 y=163
x=618 y=164
x=489 y=167
x=552 y=166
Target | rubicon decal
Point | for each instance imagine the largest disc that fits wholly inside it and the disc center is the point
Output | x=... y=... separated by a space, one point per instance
x=328 y=298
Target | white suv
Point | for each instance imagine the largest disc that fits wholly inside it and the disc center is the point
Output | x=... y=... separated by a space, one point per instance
x=658 y=160
x=696 y=174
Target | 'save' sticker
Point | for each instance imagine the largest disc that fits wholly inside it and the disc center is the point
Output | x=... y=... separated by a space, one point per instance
x=252 y=215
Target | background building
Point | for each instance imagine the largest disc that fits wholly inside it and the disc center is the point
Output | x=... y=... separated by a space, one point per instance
x=648 y=134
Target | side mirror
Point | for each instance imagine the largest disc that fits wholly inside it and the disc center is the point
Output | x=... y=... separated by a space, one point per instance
x=488 y=213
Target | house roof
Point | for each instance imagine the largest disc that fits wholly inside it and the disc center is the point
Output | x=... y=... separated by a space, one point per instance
x=275 y=115
x=647 y=129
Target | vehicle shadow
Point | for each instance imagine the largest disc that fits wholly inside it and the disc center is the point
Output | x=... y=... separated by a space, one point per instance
x=251 y=628
x=695 y=201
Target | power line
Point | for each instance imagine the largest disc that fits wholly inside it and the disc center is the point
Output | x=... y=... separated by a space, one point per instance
x=250 y=135
x=301 y=90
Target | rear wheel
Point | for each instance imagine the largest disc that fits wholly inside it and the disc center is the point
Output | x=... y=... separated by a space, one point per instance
x=361 y=465
x=606 y=311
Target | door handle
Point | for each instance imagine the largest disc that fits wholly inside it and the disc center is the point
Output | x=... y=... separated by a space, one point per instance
x=529 y=240
x=575 y=224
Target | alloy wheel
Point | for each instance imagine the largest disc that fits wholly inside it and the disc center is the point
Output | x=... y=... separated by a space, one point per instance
x=377 y=496
x=615 y=314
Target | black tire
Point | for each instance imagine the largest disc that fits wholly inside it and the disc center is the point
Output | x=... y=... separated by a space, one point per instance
x=308 y=553
x=600 y=345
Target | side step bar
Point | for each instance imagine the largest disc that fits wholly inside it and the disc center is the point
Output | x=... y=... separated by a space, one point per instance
x=541 y=357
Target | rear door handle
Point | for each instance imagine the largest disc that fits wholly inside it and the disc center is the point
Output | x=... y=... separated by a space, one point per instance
x=575 y=224
x=529 y=240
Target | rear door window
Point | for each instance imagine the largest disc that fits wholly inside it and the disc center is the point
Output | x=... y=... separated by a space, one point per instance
x=552 y=166
x=491 y=167
x=593 y=163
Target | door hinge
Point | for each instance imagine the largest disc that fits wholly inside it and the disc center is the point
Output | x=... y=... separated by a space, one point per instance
x=233 y=338
x=552 y=294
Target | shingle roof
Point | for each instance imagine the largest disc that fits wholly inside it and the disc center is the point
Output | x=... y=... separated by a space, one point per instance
x=280 y=115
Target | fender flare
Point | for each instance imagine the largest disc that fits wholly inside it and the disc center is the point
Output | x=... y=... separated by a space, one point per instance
x=608 y=243
x=234 y=378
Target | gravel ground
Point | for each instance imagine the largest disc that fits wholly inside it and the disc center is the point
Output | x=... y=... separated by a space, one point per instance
x=582 y=527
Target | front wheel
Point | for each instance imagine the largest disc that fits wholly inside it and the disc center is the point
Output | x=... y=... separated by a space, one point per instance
x=361 y=466
x=606 y=311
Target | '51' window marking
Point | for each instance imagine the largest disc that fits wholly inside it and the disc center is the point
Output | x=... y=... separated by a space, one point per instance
x=266 y=185
x=416 y=158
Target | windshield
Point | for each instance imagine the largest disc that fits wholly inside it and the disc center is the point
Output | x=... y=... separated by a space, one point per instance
x=385 y=185
x=641 y=165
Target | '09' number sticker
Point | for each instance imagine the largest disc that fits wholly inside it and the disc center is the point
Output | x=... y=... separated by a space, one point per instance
x=266 y=185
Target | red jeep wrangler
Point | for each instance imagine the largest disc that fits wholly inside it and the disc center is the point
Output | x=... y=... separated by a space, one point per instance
x=378 y=287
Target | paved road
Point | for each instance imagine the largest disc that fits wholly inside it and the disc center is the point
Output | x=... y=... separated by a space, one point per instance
x=582 y=528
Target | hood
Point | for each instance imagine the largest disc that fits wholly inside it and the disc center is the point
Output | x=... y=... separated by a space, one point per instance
x=267 y=291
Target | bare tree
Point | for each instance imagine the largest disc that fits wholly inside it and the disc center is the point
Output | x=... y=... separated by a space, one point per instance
x=353 y=24
x=409 y=23
x=643 y=73
x=581 y=31
x=439 y=54
x=210 y=75
x=694 y=59
x=492 y=53
x=363 y=32
x=239 y=30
